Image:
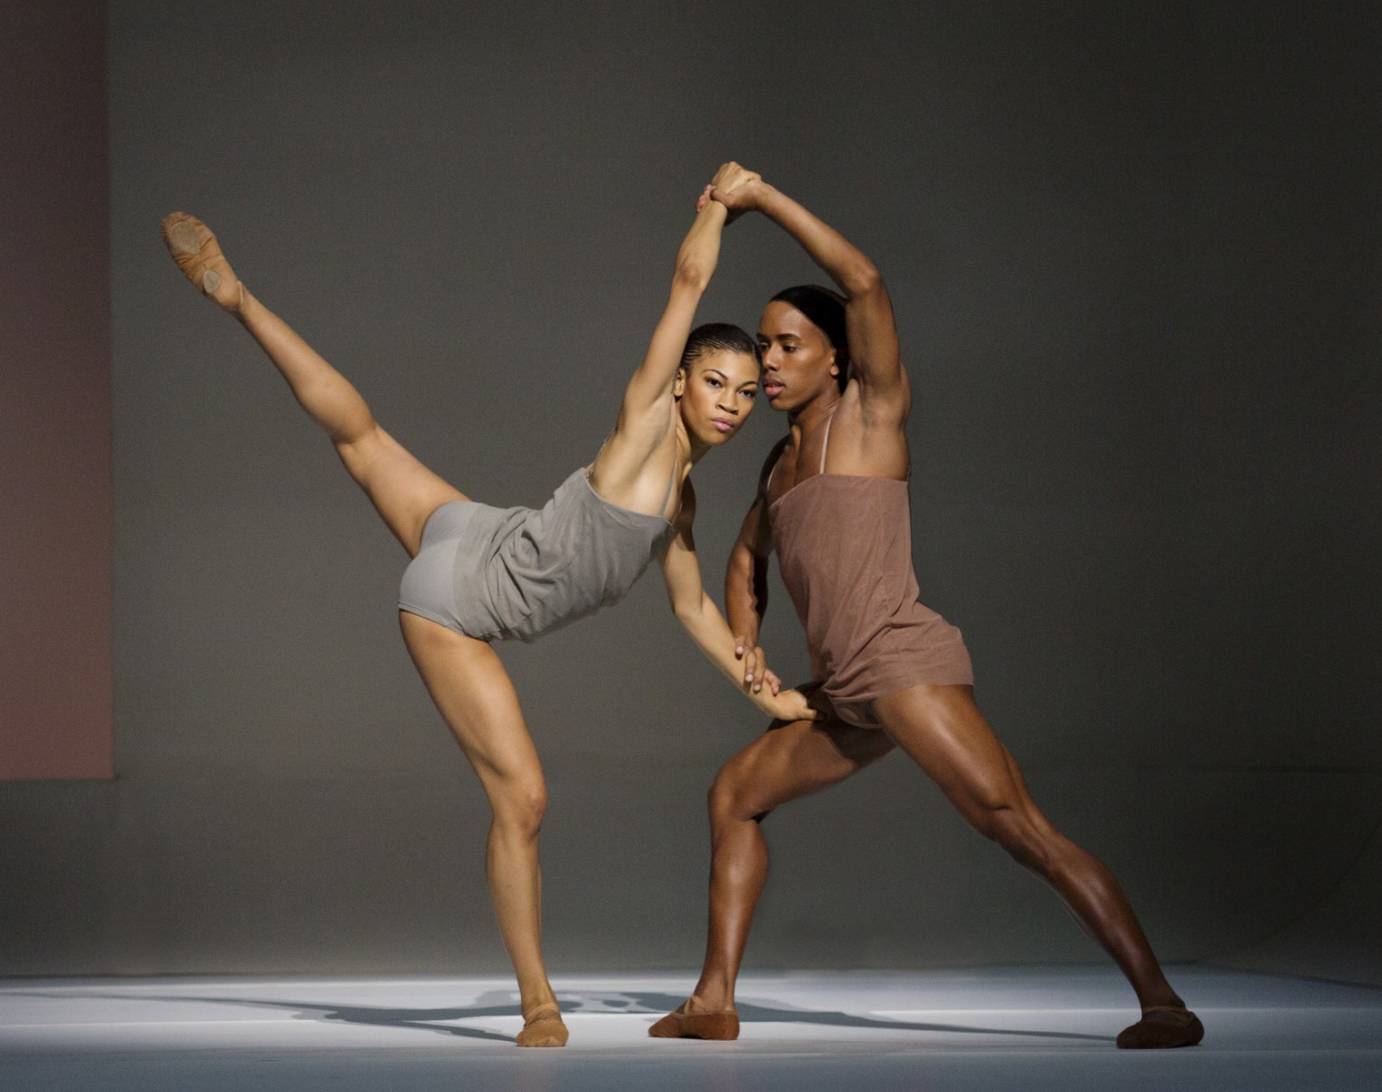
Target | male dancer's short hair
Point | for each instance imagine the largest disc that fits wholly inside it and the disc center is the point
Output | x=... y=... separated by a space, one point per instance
x=826 y=308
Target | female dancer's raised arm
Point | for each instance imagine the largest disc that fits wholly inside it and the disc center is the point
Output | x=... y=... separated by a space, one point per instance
x=689 y=380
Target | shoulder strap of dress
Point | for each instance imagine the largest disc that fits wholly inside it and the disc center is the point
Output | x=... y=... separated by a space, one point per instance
x=825 y=443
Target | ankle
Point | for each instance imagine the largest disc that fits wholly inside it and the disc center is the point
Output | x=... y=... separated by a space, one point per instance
x=539 y=1002
x=243 y=305
x=707 y=1001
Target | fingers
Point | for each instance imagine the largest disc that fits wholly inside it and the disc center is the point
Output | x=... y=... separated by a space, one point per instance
x=740 y=643
x=753 y=666
x=774 y=683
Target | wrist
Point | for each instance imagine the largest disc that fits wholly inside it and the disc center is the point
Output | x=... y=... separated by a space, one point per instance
x=761 y=193
x=713 y=210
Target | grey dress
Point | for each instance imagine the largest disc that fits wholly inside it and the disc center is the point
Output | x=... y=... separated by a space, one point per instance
x=500 y=573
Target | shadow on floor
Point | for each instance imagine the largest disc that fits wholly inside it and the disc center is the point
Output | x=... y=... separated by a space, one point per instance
x=583 y=1002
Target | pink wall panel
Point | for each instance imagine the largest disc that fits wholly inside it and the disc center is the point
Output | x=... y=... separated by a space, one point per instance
x=55 y=396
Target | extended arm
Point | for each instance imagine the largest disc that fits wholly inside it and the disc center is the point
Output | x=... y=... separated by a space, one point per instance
x=697 y=257
x=696 y=260
x=703 y=621
x=873 y=348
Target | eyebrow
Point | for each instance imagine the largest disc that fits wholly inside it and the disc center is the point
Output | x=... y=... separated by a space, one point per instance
x=716 y=371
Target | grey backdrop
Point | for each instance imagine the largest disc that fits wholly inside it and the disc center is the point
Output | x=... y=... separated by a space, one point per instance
x=1133 y=250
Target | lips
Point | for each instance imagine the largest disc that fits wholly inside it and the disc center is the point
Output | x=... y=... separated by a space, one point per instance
x=723 y=425
x=772 y=389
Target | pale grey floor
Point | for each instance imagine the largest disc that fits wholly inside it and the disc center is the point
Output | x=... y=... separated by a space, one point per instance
x=994 y=1028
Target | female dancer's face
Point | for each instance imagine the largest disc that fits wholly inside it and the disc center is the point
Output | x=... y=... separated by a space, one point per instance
x=798 y=359
x=717 y=394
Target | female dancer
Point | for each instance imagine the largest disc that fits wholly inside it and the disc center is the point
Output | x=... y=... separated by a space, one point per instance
x=480 y=573
x=891 y=672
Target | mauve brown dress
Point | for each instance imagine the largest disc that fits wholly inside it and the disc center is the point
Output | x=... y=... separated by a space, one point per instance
x=844 y=547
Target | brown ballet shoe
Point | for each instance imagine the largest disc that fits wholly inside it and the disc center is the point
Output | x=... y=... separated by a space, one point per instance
x=697 y=1025
x=1162 y=1028
x=194 y=247
x=543 y=1029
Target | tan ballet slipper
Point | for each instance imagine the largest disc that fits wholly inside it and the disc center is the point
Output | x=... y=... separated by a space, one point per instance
x=194 y=247
x=697 y=1025
x=543 y=1029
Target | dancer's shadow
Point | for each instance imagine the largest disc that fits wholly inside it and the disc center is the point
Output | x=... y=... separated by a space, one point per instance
x=583 y=1002
x=774 y=1012
x=416 y=1019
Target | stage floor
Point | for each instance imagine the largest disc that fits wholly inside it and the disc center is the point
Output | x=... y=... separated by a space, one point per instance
x=991 y=1028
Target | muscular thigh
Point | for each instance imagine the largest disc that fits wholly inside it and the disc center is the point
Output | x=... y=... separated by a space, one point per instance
x=403 y=491
x=796 y=759
x=477 y=700
x=944 y=732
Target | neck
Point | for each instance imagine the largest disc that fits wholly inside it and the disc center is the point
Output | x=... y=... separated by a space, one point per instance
x=689 y=449
x=806 y=418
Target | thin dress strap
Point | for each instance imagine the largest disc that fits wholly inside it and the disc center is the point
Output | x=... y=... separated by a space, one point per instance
x=825 y=443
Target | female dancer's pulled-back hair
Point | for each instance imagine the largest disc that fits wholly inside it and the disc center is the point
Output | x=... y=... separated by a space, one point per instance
x=826 y=308
x=713 y=337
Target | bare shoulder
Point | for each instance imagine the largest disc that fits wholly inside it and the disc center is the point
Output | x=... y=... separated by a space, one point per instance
x=867 y=438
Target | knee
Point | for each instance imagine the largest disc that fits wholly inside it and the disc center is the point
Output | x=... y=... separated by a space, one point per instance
x=729 y=799
x=520 y=807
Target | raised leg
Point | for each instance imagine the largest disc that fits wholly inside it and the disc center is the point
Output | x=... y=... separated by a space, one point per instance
x=941 y=728
x=787 y=763
x=402 y=489
x=476 y=698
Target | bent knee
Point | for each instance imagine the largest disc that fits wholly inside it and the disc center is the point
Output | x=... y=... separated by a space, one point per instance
x=730 y=797
x=520 y=806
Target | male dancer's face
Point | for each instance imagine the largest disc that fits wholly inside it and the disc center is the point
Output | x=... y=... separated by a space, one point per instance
x=717 y=394
x=798 y=359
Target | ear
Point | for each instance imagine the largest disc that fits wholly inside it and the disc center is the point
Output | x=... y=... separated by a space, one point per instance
x=679 y=383
x=834 y=365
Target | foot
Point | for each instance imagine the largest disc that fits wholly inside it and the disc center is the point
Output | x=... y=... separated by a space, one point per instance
x=690 y=1022
x=544 y=1028
x=198 y=254
x=1162 y=1027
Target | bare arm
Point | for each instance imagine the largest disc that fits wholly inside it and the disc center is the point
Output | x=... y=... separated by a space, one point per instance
x=746 y=576
x=699 y=253
x=697 y=257
x=746 y=579
x=703 y=621
x=873 y=348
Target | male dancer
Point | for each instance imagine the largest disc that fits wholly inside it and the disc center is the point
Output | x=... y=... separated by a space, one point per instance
x=891 y=672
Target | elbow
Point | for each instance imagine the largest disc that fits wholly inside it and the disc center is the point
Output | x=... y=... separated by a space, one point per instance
x=863 y=279
x=691 y=275
x=687 y=613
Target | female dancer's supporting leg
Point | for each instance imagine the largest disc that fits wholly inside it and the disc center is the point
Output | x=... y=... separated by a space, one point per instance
x=465 y=677
x=942 y=730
